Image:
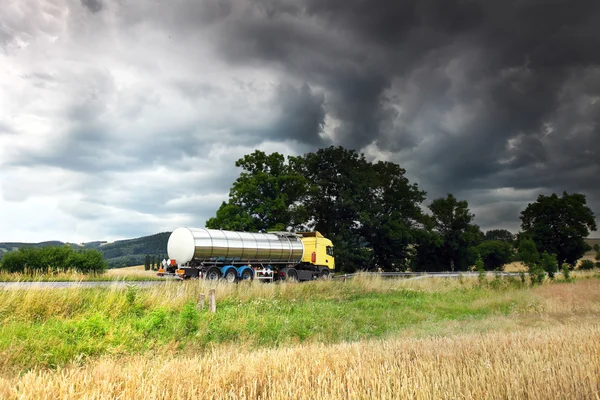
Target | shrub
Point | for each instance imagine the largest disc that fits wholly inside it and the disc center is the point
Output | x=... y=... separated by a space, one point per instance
x=495 y=254
x=566 y=272
x=549 y=264
x=586 y=264
x=188 y=319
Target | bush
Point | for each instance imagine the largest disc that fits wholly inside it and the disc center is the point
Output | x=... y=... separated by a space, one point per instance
x=549 y=264
x=188 y=319
x=566 y=272
x=586 y=264
x=495 y=254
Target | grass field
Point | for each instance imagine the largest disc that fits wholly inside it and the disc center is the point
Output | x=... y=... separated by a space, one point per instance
x=136 y=273
x=365 y=338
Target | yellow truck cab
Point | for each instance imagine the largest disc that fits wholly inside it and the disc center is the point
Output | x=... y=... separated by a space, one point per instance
x=318 y=250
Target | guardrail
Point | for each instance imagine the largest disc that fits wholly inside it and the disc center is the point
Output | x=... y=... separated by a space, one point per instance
x=445 y=274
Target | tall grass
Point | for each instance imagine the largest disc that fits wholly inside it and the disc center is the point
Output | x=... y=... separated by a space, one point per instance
x=559 y=362
x=53 y=328
x=74 y=276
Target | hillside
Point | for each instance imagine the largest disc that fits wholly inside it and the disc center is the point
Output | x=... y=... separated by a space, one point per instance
x=121 y=253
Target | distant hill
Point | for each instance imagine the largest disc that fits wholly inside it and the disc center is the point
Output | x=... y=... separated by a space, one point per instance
x=121 y=253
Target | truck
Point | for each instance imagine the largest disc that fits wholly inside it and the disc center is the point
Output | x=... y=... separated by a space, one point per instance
x=230 y=255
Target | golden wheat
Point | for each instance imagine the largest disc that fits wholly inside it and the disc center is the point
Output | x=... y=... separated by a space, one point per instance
x=560 y=362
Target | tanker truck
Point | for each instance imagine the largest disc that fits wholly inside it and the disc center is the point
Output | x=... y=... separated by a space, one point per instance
x=218 y=254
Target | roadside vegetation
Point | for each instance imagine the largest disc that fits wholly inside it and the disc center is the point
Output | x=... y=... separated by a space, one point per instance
x=53 y=260
x=135 y=273
x=58 y=328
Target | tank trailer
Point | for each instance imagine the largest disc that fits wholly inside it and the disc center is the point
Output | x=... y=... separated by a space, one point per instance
x=217 y=254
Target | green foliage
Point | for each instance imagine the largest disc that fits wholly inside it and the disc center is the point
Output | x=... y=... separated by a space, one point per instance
x=495 y=254
x=449 y=243
x=537 y=274
x=500 y=234
x=596 y=248
x=369 y=210
x=124 y=253
x=587 y=264
x=121 y=253
x=559 y=225
x=147 y=262
x=566 y=272
x=479 y=266
x=549 y=264
x=46 y=260
x=528 y=252
x=73 y=323
x=131 y=294
x=188 y=319
x=266 y=196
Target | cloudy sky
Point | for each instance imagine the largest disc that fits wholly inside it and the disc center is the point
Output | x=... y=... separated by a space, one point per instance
x=122 y=118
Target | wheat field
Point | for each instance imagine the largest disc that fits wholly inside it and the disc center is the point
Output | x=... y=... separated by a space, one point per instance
x=561 y=362
x=548 y=346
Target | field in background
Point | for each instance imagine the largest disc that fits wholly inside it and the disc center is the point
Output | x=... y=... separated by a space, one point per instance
x=365 y=338
x=592 y=242
x=131 y=272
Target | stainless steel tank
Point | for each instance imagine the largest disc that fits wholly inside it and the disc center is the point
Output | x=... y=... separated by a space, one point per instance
x=210 y=245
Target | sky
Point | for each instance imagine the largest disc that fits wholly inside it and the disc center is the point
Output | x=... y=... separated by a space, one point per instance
x=124 y=118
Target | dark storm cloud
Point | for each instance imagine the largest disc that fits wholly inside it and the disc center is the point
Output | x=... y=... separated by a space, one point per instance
x=484 y=94
x=92 y=5
x=300 y=114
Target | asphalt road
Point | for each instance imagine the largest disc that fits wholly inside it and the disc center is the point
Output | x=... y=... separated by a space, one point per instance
x=122 y=284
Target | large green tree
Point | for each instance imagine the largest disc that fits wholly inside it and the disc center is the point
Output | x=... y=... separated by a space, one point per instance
x=267 y=196
x=502 y=235
x=450 y=243
x=369 y=210
x=495 y=254
x=558 y=225
x=392 y=216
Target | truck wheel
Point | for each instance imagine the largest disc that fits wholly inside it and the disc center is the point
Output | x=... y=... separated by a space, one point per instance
x=213 y=274
x=324 y=274
x=231 y=275
x=246 y=275
x=292 y=275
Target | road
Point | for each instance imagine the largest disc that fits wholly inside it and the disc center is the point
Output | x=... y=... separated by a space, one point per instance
x=88 y=284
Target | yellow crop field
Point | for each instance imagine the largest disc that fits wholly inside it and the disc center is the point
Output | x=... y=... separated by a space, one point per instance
x=560 y=362
x=443 y=338
x=137 y=271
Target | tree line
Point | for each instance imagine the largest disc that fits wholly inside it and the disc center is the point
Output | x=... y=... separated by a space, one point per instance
x=153 y=262
x=53 y=259
x=376 y=218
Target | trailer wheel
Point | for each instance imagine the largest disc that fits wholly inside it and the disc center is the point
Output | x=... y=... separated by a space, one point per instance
x=231 y=275
x=324 y=274
x=246 y=275
x=292 y=275
x=213 y=274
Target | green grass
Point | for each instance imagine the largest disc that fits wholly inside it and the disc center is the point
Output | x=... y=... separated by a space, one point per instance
x=50 y=328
